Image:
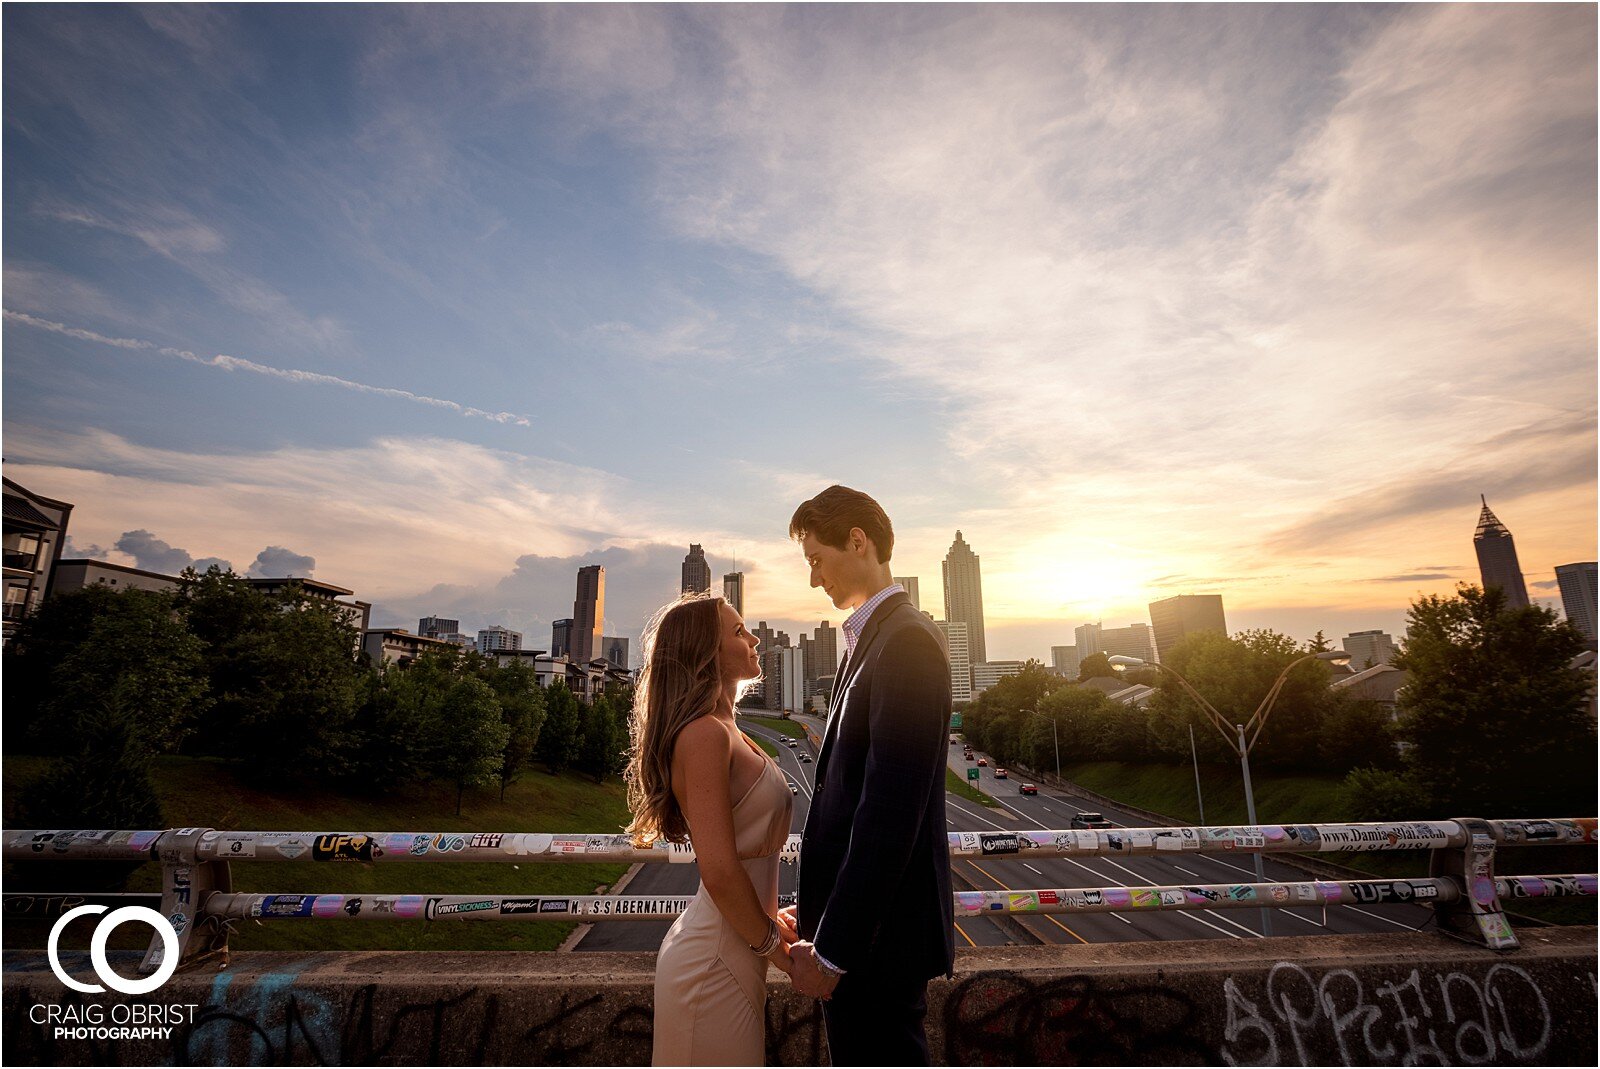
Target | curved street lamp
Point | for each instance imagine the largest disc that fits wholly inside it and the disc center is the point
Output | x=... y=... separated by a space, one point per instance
x=1236 y=740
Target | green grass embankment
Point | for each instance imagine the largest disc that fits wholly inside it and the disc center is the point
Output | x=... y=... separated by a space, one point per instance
x=203 y=793
x=956 y=785
x=767 y=745
x=790 y=728
x=1314 y=799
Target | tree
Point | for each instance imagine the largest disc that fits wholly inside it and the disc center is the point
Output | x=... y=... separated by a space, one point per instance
x=1096 y=666
x=560 y=737
x=96 y=649
x=284 y=675
x=1493 y=716
x=1319 y=644
x=469 y=736
x=604 y=739
x=522 y=709
x=103 y=782
x=1234 y=675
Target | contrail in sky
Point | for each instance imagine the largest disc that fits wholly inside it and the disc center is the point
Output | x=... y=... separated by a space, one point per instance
x=234 y=363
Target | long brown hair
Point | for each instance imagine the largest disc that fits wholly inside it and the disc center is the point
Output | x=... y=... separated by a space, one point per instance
x=681 y=682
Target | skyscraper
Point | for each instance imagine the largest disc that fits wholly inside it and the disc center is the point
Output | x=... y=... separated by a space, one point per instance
x=963 y=595
x=1175 y=618
x=1130 y=641
x=588 y=613
x=1577 y=582
x=696 y=572
x=955 y=644
x=615 y=650
x=1368 y=649
x=910 y=583
x=1497 y=558
x=437 y=627
x=495 y=638
x=561 y=638
x=825 y=647
x=1064 y=659
x=1088 y=638
x=733 y=590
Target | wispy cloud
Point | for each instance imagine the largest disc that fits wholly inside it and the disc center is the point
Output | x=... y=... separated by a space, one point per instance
x=234 y=363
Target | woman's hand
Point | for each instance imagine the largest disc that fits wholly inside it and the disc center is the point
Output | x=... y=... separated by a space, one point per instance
x=780 y=956
x=789 y=924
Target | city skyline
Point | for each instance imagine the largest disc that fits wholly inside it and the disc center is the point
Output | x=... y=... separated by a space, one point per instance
x=1167 y=301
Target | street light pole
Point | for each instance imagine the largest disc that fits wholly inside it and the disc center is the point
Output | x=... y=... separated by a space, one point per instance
x=1238 y=744
x=1250 y=810
x=1054 y=735
x=1194 y=756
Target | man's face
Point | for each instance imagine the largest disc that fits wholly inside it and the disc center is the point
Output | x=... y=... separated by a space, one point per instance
x=838 y=572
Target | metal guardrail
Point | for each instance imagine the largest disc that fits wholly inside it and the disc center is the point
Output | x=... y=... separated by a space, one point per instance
x=197 y=894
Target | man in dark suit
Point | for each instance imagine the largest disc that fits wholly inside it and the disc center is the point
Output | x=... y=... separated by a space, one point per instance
x=874 y=916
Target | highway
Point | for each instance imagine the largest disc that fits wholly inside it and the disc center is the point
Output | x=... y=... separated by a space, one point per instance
x=1048 y=810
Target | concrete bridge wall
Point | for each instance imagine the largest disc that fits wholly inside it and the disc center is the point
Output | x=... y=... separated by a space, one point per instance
x=1363 y=1000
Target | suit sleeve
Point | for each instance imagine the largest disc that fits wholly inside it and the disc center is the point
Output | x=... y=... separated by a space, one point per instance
x=908 y=716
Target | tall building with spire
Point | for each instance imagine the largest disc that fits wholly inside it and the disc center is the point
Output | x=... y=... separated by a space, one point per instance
x=588 y=613
x=733 y=591
x=963 y=595
x=1497 y=558
x=696 y=572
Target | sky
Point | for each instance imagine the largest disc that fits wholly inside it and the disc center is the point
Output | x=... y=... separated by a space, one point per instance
x=439 y=304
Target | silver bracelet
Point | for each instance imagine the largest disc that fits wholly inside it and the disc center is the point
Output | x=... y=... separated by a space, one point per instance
x=770 y=943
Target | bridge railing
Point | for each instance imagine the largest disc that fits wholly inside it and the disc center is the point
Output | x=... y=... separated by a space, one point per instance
x=198 y=900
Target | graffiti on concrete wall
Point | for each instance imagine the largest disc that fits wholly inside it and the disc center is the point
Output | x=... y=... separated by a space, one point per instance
x=1005 y=1018
x=1437 y=1018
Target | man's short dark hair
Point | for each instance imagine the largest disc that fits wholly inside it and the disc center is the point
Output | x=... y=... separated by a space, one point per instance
x=830 y=516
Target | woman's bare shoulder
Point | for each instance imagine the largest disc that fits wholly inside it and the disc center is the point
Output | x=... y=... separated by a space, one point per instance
x=706 y=733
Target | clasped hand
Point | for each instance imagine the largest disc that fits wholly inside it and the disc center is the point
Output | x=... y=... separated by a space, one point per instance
x=804 y=974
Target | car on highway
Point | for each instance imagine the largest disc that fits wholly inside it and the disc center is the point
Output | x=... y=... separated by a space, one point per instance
x=791 y=743
x=806 y=758
x=1000 y=773
x=792 y=788
x=1090 y=820
x=983 y=762
x=1028 y=788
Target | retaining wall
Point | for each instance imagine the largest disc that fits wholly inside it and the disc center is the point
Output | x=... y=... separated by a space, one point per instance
x=1373 y=1000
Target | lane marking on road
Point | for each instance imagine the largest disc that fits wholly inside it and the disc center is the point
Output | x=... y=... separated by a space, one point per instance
x=965 y=936
x=1045 y=917
x=1303 y=917
x=974 y=816
x=1180 y=868
x=772 y=736
x=1030 y=868
x=1386 y=920
x=1143 y=882
x=1047 y=809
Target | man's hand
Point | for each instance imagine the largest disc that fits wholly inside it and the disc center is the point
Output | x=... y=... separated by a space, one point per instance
x=789 y=924
x=806 y=977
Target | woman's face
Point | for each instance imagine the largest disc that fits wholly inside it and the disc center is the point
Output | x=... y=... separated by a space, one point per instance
x=736 y=656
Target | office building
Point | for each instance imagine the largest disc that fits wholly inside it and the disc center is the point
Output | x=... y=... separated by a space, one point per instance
x=1497 y=558
x=696 y=572
x=733 y=591
x=963 y=594
x=615 y=651
x=397 y=646
x=75 y=573
x=588 y=614
x=437 y=627
x=35 y=530
x=1367 y=649
x=561 y=638
x=1176 y=618
x=1064 y=661
x=494 y=638
x=912 y=592
x=791 y=681
x=988 y=673
x=1087 y=637
x=1577 y=582
x=825 y=648
x=959 y=649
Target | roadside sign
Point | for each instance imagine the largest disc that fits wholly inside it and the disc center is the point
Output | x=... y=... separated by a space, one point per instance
x=972 y=773
x=955 y=721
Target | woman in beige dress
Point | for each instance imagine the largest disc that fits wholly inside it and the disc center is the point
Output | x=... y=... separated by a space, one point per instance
x=693 y=770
